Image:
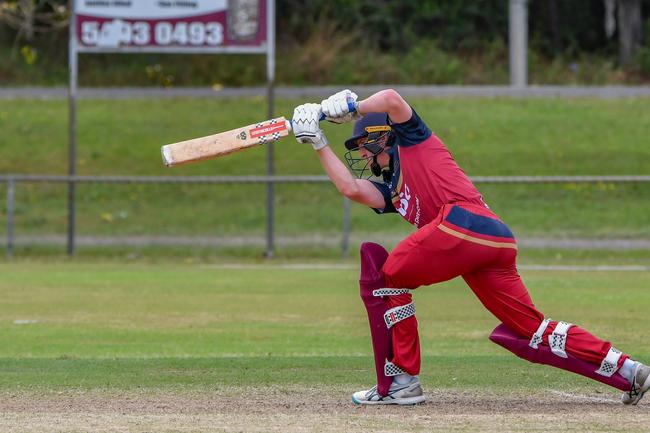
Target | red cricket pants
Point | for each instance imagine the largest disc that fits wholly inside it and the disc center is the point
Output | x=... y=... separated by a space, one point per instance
x=470 y=241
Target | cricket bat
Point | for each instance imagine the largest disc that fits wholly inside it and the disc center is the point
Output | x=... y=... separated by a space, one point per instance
x=224 y=143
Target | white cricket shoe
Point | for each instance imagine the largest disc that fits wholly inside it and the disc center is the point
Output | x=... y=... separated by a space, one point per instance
x=409 y=393
x=640 y=384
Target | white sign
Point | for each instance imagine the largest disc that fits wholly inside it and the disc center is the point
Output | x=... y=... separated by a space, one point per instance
x=159 y=24
x=149 y=9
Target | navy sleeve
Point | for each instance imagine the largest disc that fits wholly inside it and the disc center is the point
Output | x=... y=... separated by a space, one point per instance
x=411 y=132
x=388 y=204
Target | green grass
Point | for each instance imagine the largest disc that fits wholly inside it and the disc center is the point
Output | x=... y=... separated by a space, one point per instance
x=166 y=325
x=497 y=373
x=315 y=253
x=486 y=136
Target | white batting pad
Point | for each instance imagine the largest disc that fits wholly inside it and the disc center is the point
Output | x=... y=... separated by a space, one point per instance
x=536 y=340
x=397 y=314
x=391 y=369
x=610 y=363
x=557 y=340
x=390 y=292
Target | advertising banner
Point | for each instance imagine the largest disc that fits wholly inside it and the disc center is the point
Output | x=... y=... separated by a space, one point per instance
x=175 y=25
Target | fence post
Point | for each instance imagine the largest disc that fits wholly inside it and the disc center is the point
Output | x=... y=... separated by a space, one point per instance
x=11 y=191
x=518 y=42
x=270 y=167
x=345 y=244
x=73 y=69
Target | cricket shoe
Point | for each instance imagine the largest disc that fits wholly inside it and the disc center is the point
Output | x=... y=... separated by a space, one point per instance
x=409 y=393
x=640 y=384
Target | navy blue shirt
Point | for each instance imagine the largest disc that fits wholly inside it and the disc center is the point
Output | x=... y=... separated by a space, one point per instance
x=409 y=133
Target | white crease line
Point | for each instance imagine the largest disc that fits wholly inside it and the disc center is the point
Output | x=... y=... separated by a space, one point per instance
x=289 y=266
x=579 y=397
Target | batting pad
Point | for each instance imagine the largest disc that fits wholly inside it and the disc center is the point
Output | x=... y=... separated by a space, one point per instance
x=503 y=336
x=371 y=279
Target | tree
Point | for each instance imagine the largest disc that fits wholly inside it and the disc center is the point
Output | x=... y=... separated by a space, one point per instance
x=29 y=17
x=629 y=29
x=628 y=15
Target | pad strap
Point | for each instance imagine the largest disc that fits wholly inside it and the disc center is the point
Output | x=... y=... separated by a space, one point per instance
x=610 y=363
x=539 y=334
x=390 y=292
x=397 y=314
x=391 y=369
x=557 y=340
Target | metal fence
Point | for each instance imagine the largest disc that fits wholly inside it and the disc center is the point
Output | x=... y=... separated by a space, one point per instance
x=12 y=179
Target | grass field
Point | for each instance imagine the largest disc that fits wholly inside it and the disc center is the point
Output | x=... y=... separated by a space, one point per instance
x=487 y=137
x=169 y=346
x=213 y=340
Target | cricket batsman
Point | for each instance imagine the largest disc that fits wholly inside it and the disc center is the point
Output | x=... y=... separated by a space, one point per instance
x=402 y=167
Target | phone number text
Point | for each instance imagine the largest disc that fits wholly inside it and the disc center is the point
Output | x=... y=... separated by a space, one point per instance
x=119 y=32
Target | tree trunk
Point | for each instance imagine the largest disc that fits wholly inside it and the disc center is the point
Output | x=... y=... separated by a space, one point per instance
x=610 y=18
x=27 y=8
x=629 y=29
x=554 y=25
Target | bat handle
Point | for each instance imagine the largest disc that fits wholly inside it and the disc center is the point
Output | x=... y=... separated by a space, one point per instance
x=352 y=107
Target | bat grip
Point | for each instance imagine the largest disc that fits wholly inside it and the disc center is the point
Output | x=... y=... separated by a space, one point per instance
x=351 y=107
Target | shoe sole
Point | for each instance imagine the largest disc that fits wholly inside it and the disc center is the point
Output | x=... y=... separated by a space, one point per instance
x=409 y=401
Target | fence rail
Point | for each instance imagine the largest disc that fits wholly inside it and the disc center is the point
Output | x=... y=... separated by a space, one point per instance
x=36 y=178
x=12 y=179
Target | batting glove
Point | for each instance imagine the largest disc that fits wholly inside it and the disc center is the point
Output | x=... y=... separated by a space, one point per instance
x=306 y=127
x=336 y=108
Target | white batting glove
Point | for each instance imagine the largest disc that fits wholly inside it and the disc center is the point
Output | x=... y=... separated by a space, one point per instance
x=336 y=108
x=306 y=127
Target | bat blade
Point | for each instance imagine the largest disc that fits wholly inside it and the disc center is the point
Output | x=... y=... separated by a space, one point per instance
x=224 y=143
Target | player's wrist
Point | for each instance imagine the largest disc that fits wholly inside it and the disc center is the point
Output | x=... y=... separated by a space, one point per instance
x=358 y=109
x=320 y=142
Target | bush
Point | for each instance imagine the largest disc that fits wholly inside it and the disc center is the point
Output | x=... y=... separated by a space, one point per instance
x=643 y=60
x=427 y=63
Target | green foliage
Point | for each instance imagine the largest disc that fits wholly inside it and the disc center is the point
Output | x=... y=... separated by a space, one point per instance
x=33 y=17
x=30 y=55
x=397 y=25
x=643 y=55
x=554 y=28
x=439 y=67
x=584 y=69
x=643 y=59
x=361 y=42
